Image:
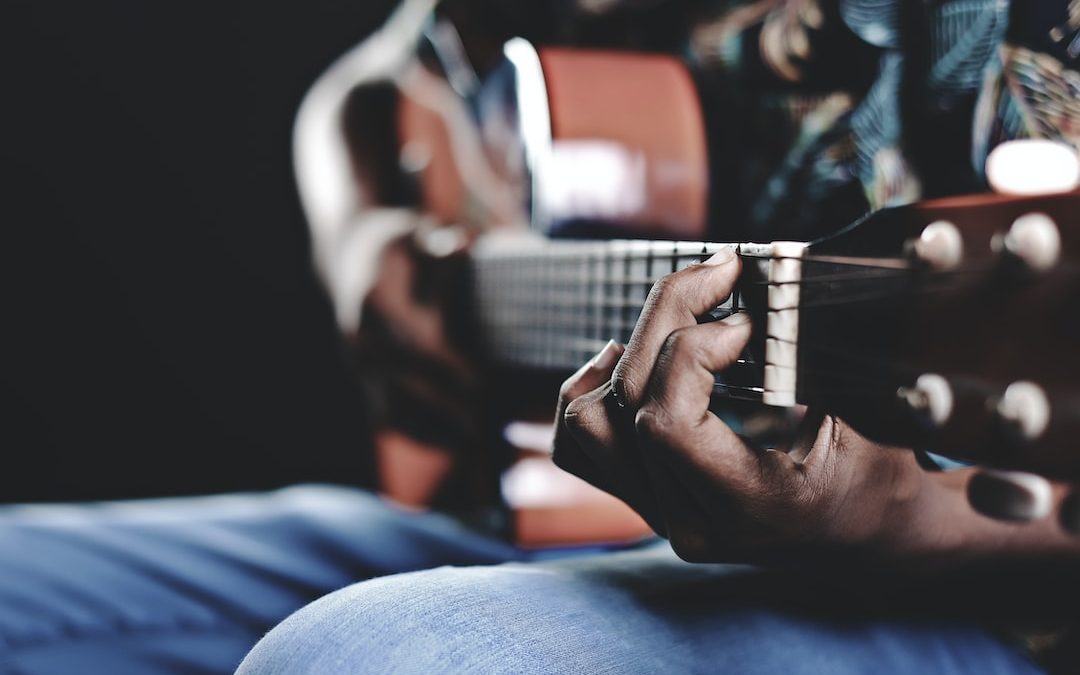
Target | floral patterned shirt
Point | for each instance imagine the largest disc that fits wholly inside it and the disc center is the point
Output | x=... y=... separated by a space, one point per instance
x=824 y=109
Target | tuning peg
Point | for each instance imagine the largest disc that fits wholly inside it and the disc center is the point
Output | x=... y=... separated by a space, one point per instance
x=1025 y=408
x=1010 y=495
x=1033 y=167
x=1034 y=240
x=931 y=397
x=940 y=246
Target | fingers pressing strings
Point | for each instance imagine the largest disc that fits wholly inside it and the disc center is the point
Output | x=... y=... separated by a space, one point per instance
x=674 y=302
x=707 y=466
x=674 y=418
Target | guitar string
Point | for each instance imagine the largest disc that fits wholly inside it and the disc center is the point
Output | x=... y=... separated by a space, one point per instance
x=572 y=306
x=629 y=306
x=866 y=272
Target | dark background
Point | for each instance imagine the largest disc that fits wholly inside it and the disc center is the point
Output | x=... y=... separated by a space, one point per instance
x=163 y=329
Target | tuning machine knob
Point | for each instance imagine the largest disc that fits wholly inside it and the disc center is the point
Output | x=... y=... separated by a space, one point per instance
x=1025 y=409
x=940 y=246
x=931 y=398
x=1033 y=240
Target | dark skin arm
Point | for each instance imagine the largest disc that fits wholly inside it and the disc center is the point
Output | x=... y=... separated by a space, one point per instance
x=635 y=422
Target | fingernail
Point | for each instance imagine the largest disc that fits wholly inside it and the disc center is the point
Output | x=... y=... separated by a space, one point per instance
x=724 y=255
x=1009 y=495
x=607 y=356
x=737 y=319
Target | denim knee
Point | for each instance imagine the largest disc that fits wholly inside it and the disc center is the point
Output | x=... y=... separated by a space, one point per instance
x=447 y=620
x=615 y=613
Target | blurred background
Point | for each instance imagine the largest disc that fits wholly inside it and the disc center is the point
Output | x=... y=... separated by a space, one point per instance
x=163 y=330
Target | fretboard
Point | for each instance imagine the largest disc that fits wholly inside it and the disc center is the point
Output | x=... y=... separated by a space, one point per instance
x=554 y=304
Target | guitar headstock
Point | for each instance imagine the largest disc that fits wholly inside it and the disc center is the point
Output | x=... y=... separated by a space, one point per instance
x=951 y=325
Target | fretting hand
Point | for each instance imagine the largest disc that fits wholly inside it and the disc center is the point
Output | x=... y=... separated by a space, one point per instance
x=636 y=422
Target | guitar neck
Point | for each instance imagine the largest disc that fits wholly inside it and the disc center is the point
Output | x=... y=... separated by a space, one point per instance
x=552 y=305
x=893 y=323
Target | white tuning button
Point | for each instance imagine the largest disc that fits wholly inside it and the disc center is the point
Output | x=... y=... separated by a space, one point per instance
x=932 y=396
x=1033 y=167
x=1034 y=240
x=940 y=246
x=1025 y=406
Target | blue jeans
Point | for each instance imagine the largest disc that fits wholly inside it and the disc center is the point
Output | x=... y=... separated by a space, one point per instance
x=189 y=585
x=632 y=612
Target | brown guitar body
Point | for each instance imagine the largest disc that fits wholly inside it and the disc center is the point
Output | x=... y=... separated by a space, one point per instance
x=646 y=107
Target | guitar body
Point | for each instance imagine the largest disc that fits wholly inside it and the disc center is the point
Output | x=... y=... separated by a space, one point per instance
x=624 y=156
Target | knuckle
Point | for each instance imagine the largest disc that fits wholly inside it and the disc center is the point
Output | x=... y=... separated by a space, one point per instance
x=673 y=343
x=654 y=424
x=625 y=387
x=580 y=414
x=680 y=344
x=668 y=289
x=661 y=287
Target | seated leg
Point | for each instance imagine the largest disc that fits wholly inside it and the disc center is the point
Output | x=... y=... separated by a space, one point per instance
x=634 y=612
x=188 y=585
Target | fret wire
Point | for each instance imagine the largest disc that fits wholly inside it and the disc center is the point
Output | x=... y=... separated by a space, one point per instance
x=528 y=324
x=626 y=309
x=548 y=266
x=584 y=277
x=566 y=305
x=648 y=283
x=597 y=274
x=609 y=263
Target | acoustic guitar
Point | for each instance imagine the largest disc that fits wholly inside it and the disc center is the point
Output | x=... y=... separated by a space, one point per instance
x=949 y=325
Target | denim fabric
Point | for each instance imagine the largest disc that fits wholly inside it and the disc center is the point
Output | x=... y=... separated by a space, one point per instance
x=189 y=585
x=634 y=612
